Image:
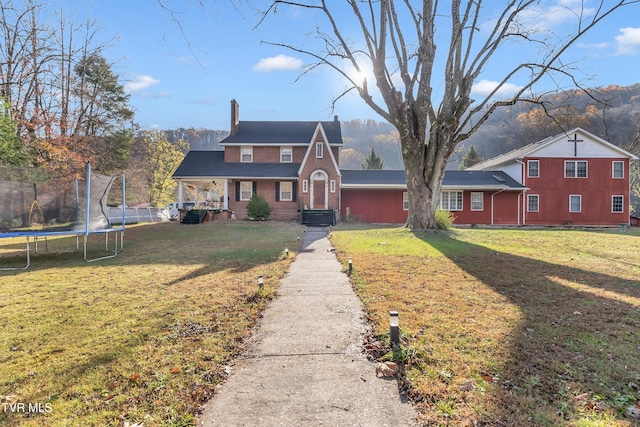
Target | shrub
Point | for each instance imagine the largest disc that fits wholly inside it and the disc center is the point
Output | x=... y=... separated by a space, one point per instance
x=258 y=208
x=444 y=219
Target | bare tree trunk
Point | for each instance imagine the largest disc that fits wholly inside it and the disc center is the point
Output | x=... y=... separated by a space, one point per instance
x=398 y=44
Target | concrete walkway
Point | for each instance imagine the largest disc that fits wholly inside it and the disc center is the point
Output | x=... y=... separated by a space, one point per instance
x=305 y=367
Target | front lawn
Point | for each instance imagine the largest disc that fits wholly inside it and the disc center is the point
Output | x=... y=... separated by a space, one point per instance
x=143 y=337
x=500 y=327
x=507 y=327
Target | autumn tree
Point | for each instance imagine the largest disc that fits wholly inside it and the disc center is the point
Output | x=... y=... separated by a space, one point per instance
x=373 y=160
x=65 y=100
x=425 y=57
x=162 y=158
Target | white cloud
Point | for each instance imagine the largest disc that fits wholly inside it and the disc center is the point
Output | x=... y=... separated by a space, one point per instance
x=544 y=17
x=594 y=46
x=278 y=63
x=140 y=82
x=628 y=41
x=485 y=87
x=155 y=95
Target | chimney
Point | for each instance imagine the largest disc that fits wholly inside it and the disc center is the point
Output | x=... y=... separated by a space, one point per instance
x=235 y=116
x=335 y=118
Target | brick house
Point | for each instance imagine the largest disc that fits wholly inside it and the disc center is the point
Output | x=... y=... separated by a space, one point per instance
x=295 y=167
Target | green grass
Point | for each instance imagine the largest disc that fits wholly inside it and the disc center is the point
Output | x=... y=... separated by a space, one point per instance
x=544 y=323
x=143 y=337
x=499 y=327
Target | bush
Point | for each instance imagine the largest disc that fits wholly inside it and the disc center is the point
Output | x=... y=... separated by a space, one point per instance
x=258 y=208
x=444 y=219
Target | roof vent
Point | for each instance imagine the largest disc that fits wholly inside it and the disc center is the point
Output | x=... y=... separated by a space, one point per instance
x=499 y=178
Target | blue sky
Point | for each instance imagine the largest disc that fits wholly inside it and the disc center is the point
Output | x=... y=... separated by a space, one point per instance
x=185 y=75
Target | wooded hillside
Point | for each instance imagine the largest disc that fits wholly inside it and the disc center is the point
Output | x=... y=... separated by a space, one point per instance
x=612 y=113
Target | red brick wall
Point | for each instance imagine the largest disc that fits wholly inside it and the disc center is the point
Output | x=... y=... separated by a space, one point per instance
x=281 y=210
x=263 y=154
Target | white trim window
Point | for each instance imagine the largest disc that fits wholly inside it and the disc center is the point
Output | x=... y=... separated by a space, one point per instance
x=477 y=201
x=451 y=200
x=405 y=200
x=617 y=169
x=246 y=190
x=533 y=203
x=246 y=154
x=533 y=168
x=332 y=186
x=617 y=204
x=575 y=203
x=305 y=185
x=286 y=191
x=286 y=154
x=575 y=169
x=319 y=150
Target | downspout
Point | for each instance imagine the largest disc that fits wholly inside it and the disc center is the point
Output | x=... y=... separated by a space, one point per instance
x=524 y=184
x=493 y=194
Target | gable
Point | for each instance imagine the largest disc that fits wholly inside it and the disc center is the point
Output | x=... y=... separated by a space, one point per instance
x=328 y=158
x=587 y=146
x=579 y=143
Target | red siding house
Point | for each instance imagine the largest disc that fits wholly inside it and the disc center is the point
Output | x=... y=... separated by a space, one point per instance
x=474 y=197
x=574 y=178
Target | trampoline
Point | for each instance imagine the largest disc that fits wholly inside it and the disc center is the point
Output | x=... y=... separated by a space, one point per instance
x=35 y=207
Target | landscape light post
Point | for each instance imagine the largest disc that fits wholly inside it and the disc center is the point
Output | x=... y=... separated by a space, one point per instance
x=260 y=282
x=394 y=329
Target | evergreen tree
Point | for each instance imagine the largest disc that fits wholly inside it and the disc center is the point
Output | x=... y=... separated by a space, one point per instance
x=373 y=160
x=471 y=158
x=13 y=152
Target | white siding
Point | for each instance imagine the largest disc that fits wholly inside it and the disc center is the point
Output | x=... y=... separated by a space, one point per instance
x=587 y=148
x=514 y=170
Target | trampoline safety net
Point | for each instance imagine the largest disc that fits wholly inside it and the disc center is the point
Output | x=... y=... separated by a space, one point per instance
x=30 y=200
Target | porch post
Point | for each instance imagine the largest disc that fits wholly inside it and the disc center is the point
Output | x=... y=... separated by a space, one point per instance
x=225 y=198
x=180 y=194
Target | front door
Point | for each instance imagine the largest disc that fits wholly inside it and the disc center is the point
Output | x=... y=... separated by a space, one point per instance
x=319 y=194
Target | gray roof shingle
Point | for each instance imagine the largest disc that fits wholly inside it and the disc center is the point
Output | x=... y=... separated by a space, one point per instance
x=211 y=164
x=383 y=178
x=282 y=133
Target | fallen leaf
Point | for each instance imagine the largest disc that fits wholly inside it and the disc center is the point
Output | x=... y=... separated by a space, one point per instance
x=176 y=370
x=134 y=377
x=387 y=369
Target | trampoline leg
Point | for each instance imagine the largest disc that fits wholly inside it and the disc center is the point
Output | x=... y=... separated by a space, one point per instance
x=28 y=260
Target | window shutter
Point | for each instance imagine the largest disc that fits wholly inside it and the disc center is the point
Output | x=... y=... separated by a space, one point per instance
x=277 y=191
x=237 y=191
x=254 y=189
x=294 y=191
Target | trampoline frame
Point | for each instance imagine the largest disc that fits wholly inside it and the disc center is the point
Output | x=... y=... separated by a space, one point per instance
x=86 y=232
